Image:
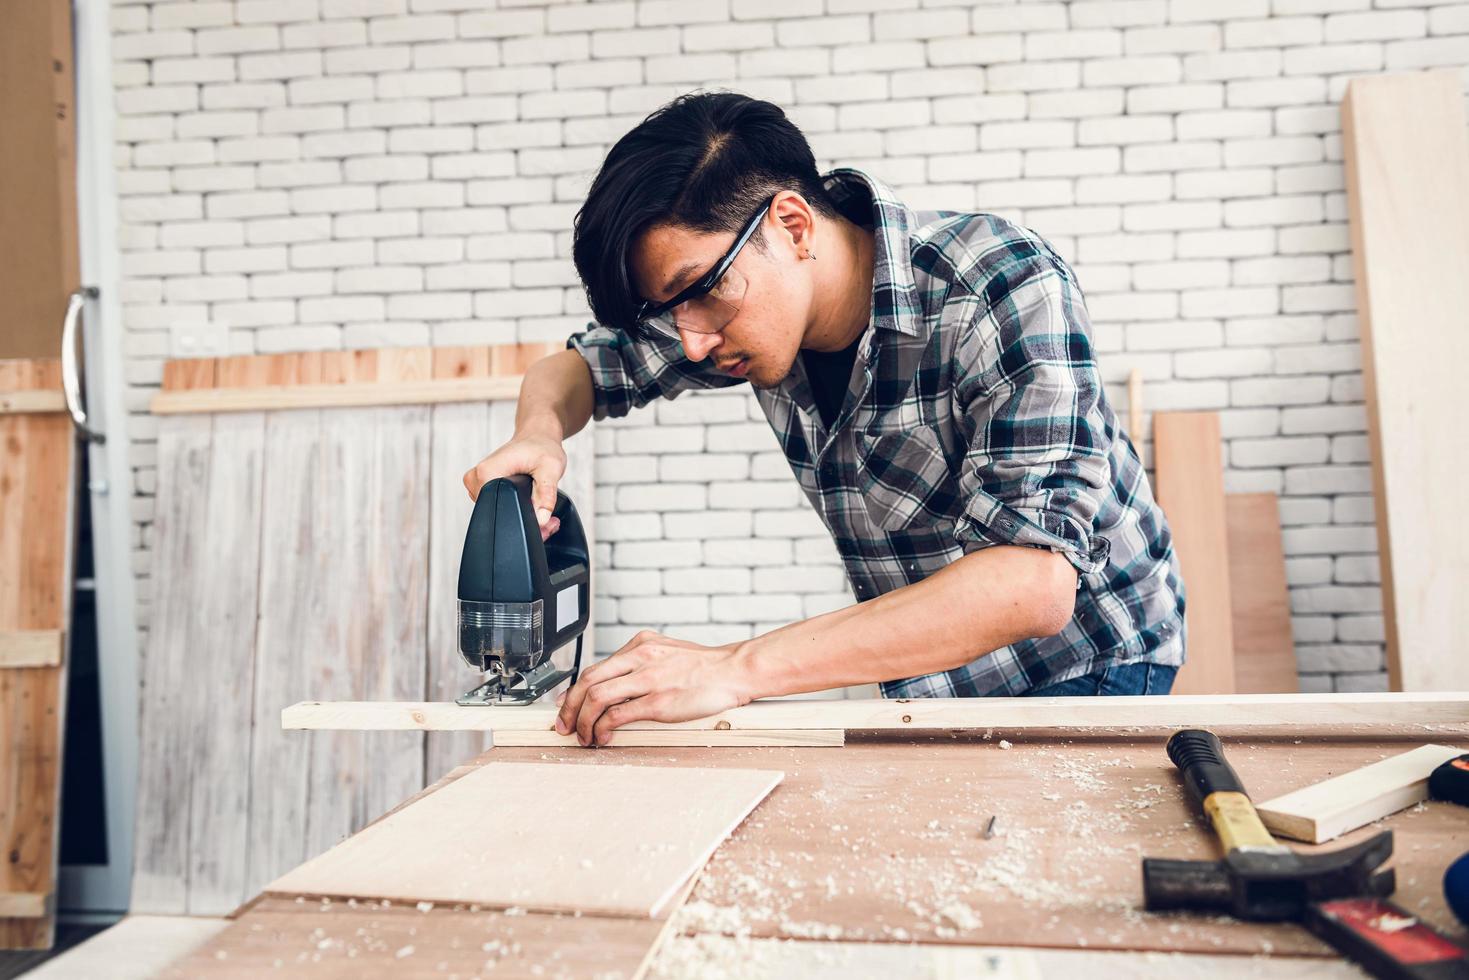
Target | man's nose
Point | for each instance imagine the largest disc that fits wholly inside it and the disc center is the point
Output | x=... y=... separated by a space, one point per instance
x=697 y=346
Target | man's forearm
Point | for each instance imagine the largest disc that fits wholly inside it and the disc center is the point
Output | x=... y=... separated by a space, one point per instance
x=556 y=397
x=983 y=601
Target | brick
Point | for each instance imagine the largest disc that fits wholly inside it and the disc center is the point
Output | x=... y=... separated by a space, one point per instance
x=1172 y=39
x=1274 y=32
x=1381 y=25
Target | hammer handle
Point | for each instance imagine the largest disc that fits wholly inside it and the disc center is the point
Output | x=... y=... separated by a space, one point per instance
x=1216 y=787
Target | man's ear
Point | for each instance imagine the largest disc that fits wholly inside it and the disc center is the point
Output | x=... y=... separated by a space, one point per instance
x=798 y=222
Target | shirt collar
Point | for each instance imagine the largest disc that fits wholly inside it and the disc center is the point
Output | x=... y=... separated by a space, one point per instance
x=895 y=300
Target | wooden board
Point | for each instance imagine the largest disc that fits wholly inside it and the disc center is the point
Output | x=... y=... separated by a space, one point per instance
x=1187 y=455
x=31 y=648
x=1264 y=650
x=713 y=956
x=345 y=379
x=611 y=841
x=882 y=842
x=882 y=714
x=355 y=551
x=136 y=948
x=334 y=941
x=36 y=499
x=39 y=255
x=1328 y=809
x=675 y=737
x=1407 y=167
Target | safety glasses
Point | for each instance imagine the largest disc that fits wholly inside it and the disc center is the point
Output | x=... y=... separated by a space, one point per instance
x=712 y=301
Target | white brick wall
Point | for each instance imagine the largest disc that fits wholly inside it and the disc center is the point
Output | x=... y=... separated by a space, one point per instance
x=341 y=173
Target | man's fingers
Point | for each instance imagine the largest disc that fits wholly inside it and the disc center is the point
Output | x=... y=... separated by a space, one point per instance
x=602 y=696
x=643 y=708
x=595 y=674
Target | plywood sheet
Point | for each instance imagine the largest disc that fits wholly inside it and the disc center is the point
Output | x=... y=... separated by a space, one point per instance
x=1264 y=650
x=613 y=840
x=1187 y=455
x=882 y=841
x=1407 y=166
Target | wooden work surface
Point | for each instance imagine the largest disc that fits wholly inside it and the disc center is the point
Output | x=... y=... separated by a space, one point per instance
x=882 y=841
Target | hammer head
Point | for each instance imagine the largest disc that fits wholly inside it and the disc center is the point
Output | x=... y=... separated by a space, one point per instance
x=1268 y=883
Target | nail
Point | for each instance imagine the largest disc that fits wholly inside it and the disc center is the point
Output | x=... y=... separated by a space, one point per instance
x=542 y=515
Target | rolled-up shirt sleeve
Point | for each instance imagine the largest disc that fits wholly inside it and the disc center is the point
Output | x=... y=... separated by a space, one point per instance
x=1032 y=409
x=628 y=372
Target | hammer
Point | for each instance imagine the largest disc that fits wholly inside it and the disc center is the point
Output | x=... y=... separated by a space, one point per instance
x=1340 y=895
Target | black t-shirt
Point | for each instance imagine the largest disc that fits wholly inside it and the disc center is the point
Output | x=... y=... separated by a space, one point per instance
x=829 y=373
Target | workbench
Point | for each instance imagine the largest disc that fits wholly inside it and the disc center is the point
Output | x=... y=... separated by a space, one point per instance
x=865 y=850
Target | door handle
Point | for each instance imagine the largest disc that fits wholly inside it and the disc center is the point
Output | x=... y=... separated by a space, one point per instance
x=71 y=383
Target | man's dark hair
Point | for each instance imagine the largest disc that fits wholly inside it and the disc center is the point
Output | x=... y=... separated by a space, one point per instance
x=703 y=161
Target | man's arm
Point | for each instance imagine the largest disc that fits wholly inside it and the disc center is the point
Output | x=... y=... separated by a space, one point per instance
x=986 y=600
x=983 y=601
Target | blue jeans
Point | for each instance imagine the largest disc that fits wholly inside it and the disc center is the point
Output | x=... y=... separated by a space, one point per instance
x=1135 y=678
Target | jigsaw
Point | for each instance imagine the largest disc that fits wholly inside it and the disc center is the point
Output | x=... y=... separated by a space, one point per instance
x=521 y=599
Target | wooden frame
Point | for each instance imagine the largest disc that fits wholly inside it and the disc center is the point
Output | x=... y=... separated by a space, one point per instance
x=1177 y=711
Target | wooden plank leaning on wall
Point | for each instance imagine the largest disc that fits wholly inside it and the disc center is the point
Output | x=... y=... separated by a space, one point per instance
x=36 y=458
x=1188 y=463
x=1407 y=164
x=305 y=542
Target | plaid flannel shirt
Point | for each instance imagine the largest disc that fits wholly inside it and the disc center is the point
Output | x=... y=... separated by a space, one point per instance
x=975 y=417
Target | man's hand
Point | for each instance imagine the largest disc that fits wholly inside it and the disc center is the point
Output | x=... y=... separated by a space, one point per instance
x=541 y=457
x=652 y=678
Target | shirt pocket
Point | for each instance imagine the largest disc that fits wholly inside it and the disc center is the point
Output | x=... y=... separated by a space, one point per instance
x=905 y=480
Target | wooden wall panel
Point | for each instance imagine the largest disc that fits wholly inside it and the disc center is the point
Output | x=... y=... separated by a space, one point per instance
x=358 y=517
x=1407 y=164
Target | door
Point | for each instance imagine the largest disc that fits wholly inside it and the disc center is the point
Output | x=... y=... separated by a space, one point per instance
x=65 y=697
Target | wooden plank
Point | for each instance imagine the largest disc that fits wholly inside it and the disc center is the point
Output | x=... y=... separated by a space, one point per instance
x=298 y=593
x=189 y=373
x=828 y=737
x=515 y=835
x=1187 y=455
x=171 y=707
x=1407 y=167
x=462 y=435
x=374 y=525
x=39 y=255
x=344 y=395
x=23 y=905
x=277 y=937
x=136 y=948
x=31 y=402
x=31 y=648
x=36 y=499
x=1264 y=650
x=1328 y=809
x=222 y=628
x=883 y=714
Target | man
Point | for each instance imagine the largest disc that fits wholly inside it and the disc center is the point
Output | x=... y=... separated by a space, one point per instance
x=932 y=385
